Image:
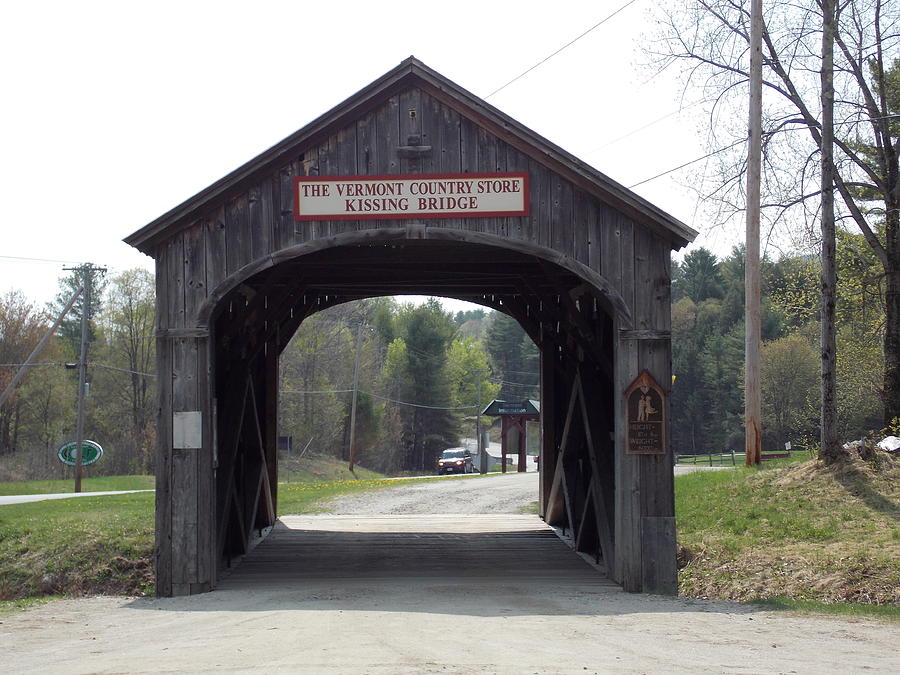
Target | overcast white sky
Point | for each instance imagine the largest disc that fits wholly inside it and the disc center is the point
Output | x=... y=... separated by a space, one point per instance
x=115 y=112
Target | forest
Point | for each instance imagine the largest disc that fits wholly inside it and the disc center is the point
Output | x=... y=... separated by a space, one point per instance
x=423 y=375
x=424 y=372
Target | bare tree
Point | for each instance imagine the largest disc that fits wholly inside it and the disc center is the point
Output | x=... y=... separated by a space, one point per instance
x=21 y=327
x=710 y=40
x=129 y=316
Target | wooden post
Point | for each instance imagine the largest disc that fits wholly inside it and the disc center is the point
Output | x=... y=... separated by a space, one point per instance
x=504 y=439
x=627 y=565
x=523 y=444
x=752 y=318
x=830 y=445
x=549 y=441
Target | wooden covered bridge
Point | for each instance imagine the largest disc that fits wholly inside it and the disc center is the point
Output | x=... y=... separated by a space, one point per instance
x=414 y=185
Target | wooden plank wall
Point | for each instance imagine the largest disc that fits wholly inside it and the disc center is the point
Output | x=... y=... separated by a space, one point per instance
x=257 y=222
x=645 y=508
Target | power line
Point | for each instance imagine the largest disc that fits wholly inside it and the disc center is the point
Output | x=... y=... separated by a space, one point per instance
x=565 y=46
x=46 y=260
x=315 y=391
x=743 y=140
x=646 y=126
x=379 y=396
x=419 y=405
x=693 y=161
x=516 y=385
x=521 y=372
x=122 y=370
x=31 y=365
x=63 y=363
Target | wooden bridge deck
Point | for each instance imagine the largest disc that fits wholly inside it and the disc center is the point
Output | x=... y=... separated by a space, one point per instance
x=489 y=549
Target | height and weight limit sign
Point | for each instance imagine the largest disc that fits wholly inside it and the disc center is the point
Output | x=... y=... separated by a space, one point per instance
x=410 y=196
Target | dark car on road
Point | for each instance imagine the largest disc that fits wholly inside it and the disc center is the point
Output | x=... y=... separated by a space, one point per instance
x=455 y=460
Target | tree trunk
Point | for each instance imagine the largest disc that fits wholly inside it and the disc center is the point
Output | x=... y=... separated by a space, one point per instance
x=891 y=395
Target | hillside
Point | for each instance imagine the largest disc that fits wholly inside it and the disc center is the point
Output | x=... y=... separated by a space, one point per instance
x=802 y=531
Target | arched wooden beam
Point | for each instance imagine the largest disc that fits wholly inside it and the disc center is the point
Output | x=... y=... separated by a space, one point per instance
x=596 y=283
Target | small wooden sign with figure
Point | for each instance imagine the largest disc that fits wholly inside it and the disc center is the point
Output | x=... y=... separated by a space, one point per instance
x=645 y=406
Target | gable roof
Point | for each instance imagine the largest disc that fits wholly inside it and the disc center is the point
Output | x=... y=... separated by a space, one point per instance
x=413 y=73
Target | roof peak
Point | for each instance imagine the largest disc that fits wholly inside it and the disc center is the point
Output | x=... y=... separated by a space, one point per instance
x=411 y=71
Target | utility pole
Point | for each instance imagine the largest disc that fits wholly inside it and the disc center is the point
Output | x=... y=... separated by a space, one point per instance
x=479 y=442
x=752 y=318
x=355 y=397
x=87 y=279
x=829 y=437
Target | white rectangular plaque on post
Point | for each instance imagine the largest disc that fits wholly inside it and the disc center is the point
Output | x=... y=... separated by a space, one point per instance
x=187 y=430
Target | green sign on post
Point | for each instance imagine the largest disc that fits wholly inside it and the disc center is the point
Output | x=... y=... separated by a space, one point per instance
x=90 y=453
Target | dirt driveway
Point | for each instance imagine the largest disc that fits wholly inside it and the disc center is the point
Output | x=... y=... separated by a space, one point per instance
x=363 y=593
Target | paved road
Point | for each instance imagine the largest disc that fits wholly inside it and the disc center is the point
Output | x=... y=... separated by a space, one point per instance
x=22 y=499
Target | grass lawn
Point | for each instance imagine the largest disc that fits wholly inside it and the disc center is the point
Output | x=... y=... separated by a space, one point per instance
x=798 y=531
x=77 y=546
x=320 y=470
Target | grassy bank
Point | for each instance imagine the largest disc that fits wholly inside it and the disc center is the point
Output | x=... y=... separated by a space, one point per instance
x=104 y=545
x=792 y=533
x=77 y=546
x=320 y=470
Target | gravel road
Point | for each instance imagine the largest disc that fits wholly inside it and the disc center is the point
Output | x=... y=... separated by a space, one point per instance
x=494 y=493
x=431 y=580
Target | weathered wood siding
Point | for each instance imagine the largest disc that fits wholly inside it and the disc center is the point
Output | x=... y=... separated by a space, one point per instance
x=253 y=222
x=258 y=221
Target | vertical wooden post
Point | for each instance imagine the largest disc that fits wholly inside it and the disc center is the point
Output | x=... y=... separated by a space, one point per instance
x=523 y=445
x=270 y=423
x=659 y=573
x=830 y=445
x=627 y=567
x=752 y=318
x=207 y=551
x=185 y=468
x=549 y=442
x=504 y=439
x=163 y=460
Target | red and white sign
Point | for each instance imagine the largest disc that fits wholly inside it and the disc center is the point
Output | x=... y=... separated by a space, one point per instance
x=468 y=195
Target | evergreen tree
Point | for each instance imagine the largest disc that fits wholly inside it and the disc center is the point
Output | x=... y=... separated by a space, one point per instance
x=418 y=361
x=514 y=357
x=70 y=329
